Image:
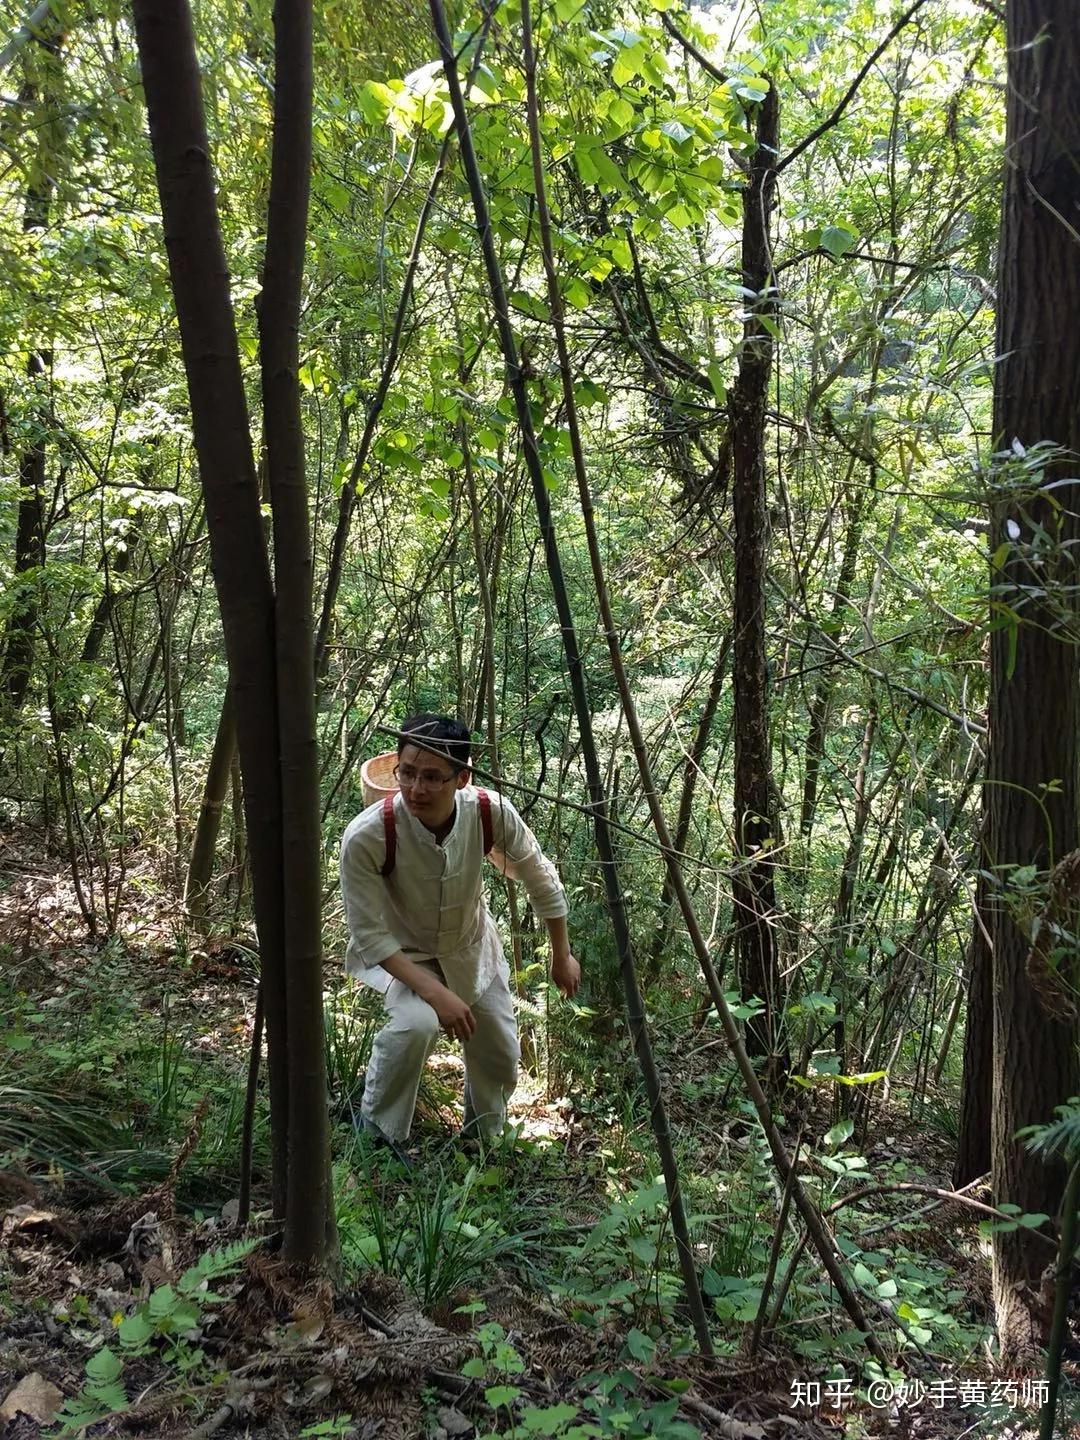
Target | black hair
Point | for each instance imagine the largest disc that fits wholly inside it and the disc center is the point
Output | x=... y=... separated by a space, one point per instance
x=441 y=734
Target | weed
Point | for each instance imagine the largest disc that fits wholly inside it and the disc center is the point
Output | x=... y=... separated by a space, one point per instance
x=168 y=1315
x=612 y=1402
x=432 y=1238
x=349 y=1028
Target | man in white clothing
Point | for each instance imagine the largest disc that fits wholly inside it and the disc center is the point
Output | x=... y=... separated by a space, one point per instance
x=421 y=933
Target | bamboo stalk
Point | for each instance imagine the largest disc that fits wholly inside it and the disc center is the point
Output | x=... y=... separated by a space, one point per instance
x=612 y=887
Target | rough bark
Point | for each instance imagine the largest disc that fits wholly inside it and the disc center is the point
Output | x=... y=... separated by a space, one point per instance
x=754 y=888
x=1034 y=689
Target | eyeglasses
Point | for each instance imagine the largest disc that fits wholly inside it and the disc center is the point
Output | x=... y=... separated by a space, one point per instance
x=405 y=775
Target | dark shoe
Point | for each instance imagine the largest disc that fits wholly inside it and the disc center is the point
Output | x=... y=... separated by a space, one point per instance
x=379 y=1141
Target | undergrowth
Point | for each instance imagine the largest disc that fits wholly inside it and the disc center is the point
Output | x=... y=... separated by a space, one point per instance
x=104 y=1063
x=103 y=1073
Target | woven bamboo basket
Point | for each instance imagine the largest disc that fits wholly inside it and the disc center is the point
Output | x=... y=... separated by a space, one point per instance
x=377 y=777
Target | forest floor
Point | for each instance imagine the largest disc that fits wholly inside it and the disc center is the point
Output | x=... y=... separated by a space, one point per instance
x=521 y=1292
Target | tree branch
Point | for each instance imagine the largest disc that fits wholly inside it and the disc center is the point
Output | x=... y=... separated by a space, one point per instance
x=852 y=90
x=691 y=49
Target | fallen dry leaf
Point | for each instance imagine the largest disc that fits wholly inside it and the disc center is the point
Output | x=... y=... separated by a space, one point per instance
x=35 y=1397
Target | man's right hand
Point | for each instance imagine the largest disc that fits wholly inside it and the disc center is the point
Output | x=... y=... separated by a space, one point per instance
x=455 y=1017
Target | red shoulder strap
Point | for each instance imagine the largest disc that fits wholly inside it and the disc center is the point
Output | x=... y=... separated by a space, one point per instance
x=389 y=825
x=485 y=818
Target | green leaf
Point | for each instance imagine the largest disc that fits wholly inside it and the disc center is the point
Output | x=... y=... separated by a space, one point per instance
x=372 y=102
x=104 y=1367
x=677 y=131
x=531 y=305
x=568 y=10
x=548 y=1420
x=621 y=111
x=837 y=239
x=577 y=294
x=619 y=249
x=640 y=1345
x=839 y=1133
x=135 y=1330
x=497 y=1395
x=825 y=1065
x=607 y=172
x=475 y=1368
x=1032 y=1220
x=749 y=87
x=716 y=380
x=867 y=1077
x=110 y=1397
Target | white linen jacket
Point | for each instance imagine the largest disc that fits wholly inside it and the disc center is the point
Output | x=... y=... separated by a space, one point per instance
x=432 y=906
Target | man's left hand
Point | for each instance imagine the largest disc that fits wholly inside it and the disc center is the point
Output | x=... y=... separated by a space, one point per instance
x=566 y=973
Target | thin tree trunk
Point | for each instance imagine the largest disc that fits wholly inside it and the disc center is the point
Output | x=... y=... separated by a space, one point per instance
x=1034 y=677
x=487 y=671
x=754 y=885
x=821 y=703
x=103 y=610
x=200 y=282
x=29 y=557
x=201 y=865
x=18 y=648
x=347 y=499
x=603 y=836
x=309 y=1213
x=691 y=769
x=977 y=1089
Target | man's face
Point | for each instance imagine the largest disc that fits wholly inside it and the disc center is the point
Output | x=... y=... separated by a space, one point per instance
x=429 y=784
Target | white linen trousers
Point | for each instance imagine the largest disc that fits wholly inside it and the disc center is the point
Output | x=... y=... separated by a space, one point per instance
x=405 y=1042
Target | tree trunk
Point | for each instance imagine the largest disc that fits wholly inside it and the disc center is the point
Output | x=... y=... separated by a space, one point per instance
x=1034 y=690
x=821 y=704
x=200 y=282
x=18 y=647
x=753 y=887
x=976 y=1093
x=201 y=865
x=103 y=610
x=686 y=803
x=309 y=1213
x=613 y=892
x=29 y=557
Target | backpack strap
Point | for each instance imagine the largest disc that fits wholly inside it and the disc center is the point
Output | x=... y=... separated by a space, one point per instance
x=485 y=819
x=389 y=823
x=389 y=820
